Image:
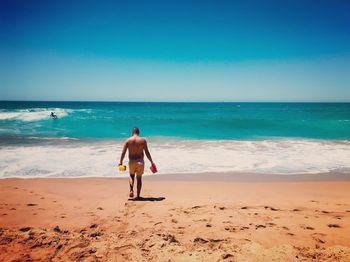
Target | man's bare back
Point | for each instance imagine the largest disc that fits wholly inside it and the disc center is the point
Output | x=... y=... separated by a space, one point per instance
x=136 y=145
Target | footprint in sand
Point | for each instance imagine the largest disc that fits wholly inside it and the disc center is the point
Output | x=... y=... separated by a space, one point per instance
x=96 y=234
x=213 y=240
x=226 y=256
x=307 y=227
x=333 y=226
x=230 y=229
x=271 y=224
x=319 y=240
x=25 y=229
x=57 y=229
x=200 y=240
x=259 y=226
x=272 y=208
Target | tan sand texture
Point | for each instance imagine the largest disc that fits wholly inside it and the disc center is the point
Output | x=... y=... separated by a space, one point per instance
x=91 y=219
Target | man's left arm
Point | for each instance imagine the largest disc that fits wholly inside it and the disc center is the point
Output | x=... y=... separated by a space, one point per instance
x=148 y=154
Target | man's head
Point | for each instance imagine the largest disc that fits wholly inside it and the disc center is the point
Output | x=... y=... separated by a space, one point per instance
x=135 y=131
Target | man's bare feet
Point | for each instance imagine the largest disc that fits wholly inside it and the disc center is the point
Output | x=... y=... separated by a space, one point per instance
x=131 y=194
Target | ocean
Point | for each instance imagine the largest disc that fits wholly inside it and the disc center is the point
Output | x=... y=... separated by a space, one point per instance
x=86 y=138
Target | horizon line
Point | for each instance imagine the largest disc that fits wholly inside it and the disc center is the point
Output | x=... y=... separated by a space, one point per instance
x=140 y=101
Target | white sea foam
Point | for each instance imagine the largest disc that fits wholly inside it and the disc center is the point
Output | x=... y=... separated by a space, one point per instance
x=99 y=159
x=34 y=114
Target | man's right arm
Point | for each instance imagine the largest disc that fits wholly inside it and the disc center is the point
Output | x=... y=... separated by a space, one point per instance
x=125 y=147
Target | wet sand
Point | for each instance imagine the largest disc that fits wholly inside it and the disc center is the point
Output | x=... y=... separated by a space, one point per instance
x=92 y=219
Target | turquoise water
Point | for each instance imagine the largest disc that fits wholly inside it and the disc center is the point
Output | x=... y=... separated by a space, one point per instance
x=87 y=137
x=234 y=121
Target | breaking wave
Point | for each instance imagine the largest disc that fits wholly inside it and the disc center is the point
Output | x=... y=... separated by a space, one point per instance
x=99 y=158
x=35 y=114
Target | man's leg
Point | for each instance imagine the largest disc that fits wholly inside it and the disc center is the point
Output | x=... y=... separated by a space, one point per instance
x=139 y=185
x=131 y=182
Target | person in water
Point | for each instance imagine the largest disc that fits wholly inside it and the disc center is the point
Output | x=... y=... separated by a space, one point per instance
x=136 y=146
x=53 y=115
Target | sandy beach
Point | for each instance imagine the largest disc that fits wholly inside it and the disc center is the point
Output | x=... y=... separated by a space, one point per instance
x=92 y=219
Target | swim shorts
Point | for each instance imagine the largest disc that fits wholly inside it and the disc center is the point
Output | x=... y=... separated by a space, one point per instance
x=136 y=167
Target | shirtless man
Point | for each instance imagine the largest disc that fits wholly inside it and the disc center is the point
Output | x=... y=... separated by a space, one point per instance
x=136 y=146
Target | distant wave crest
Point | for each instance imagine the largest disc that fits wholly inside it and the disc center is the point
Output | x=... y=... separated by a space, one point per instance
x=35 y=114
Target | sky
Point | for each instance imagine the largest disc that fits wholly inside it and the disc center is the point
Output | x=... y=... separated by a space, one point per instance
x=175 y=50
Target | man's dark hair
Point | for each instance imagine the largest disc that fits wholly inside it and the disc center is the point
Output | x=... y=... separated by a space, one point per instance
x=136 y=131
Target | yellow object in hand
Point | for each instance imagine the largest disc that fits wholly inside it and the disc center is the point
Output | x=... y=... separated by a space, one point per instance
x=122 y=168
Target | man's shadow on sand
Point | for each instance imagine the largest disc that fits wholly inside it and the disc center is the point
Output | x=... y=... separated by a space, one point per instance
x=151 y=199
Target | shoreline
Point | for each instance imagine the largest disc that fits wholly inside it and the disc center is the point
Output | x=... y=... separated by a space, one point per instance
x=251 y=177
x=217 y=176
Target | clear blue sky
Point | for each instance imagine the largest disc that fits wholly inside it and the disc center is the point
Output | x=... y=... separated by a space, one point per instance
x=175 y=50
